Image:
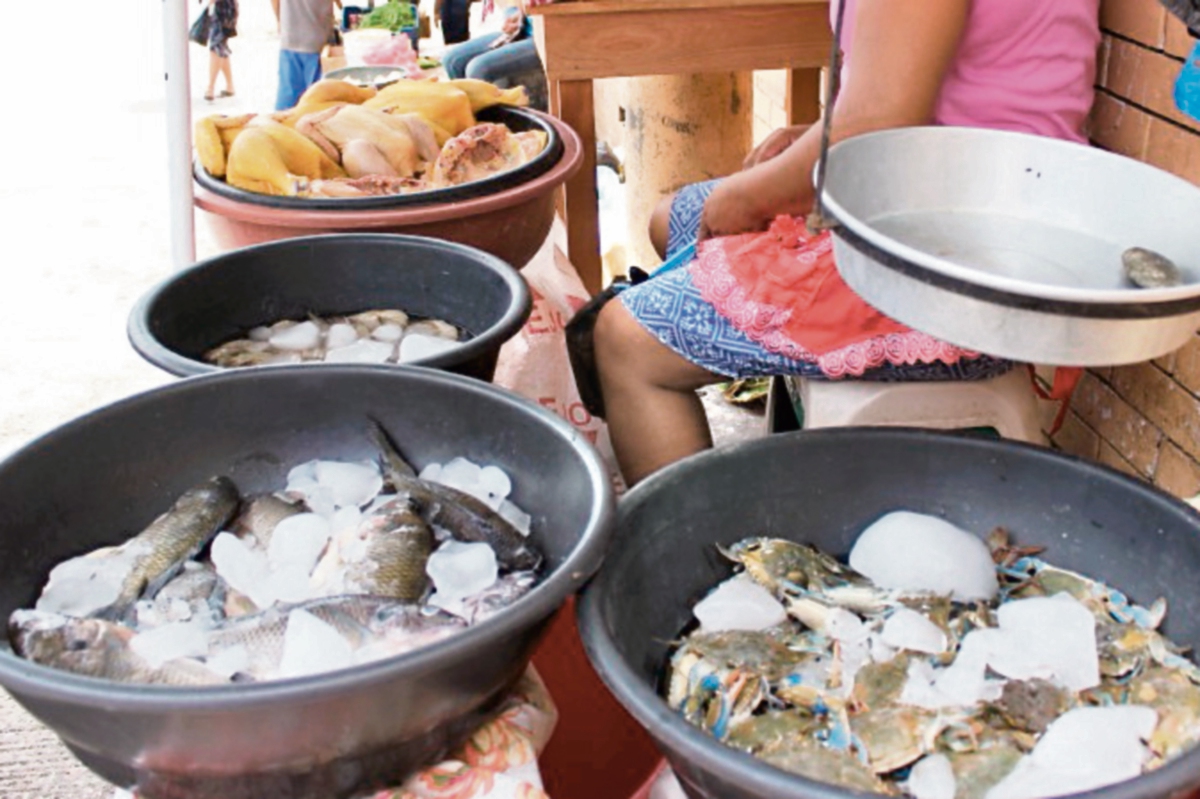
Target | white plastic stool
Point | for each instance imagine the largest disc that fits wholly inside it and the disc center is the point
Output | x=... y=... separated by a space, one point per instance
x=1006 y=403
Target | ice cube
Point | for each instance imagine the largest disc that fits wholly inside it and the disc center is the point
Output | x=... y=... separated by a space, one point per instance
x=962 y=684
x=83 y=585
x=431 y=472
x=1053 y=638
x=350 y=483
x=340 y=335
x=388 y=332
x=459 y=570
x=1083 y=749
x=260 y=333
x=846 y=627
x=303 y=336
x=283 y=358
x=416 y=346
x=230 y=661
x=347 y=518
x=932 y=778
x=908 y=629
x=245 y=570
x=302 y=478
x=462 y=474
x=915 y=552
x=433 y=328
x=739 y=603
x=515 y=516
x=289 y=583
x=495 y=481
x=362 y=351
x=175 y=640
x=298 y=541
x=310 y=646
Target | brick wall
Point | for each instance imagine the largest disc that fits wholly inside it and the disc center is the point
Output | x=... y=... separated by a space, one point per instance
x=1143 y=419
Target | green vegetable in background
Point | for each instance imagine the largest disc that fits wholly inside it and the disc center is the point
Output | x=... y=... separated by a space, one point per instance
x=395 y=15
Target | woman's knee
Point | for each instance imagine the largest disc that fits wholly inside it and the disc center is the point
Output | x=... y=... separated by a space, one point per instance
x=660 y=225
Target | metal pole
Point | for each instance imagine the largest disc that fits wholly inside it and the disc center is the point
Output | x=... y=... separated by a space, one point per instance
x=179 y=132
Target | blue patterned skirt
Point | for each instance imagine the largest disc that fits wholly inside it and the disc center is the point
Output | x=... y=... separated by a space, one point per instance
x=671 y=308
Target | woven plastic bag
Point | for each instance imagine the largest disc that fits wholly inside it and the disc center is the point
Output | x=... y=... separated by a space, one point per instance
x=534 y=363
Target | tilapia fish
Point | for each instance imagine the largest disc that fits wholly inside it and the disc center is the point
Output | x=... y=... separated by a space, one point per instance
x=379 y=625
x=462 y=515
x=388 y=553
x=107 y=582
x=260 y=515
x=96 y=648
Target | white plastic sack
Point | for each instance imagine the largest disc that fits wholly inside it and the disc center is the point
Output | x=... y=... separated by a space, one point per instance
x=534 y=363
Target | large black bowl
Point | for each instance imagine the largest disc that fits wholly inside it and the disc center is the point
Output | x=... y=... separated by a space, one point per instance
x=96 y=480
x=825 y=487
x=177 y=321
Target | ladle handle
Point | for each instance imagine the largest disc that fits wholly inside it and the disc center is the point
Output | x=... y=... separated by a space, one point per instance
x=817 y=220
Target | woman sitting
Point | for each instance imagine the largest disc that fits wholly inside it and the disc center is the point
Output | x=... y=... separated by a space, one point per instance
x=763 y=296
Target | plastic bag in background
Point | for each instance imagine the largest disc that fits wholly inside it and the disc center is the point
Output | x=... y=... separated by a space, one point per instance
x=394 y=51
x=1187 y=88
x=534 y=363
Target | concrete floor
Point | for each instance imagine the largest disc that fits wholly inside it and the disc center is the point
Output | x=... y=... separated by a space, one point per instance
x=84 y=198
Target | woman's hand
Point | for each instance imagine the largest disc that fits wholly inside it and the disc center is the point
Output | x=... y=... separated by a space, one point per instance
x=733 y=208
x=513 y=22
x=775 y=143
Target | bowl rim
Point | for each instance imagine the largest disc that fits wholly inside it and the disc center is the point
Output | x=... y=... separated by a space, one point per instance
x=695 y=746
x=137 y=326
x=539 y=165
x=566 y=167
x=963 y=279
x=27 y=679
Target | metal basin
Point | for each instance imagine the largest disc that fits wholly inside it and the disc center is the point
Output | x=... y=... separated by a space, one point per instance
x=824 y=487
x=1011 y=244
x=96 y=480
x=177 y=321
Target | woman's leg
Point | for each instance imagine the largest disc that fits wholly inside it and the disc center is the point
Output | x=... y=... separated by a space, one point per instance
x=654 y=415
x=214 y=69
x=458 y=58
x=499 y=66
x=456 y=21
x=227 y=71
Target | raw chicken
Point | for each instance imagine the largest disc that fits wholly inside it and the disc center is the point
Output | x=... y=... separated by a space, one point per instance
x=486 y=149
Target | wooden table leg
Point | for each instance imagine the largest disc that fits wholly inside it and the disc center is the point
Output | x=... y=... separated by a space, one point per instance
x=803 y=95
x=582 y=205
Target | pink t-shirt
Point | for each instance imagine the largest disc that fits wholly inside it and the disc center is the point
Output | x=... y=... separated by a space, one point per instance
x=1023 y=65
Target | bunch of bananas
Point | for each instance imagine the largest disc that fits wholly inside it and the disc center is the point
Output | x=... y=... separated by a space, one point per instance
x=403 y=125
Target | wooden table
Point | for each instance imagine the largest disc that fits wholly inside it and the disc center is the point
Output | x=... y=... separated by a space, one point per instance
x=581 y=41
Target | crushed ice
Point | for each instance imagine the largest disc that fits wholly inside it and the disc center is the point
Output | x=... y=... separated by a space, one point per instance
x=459 y=570
x=739 y=603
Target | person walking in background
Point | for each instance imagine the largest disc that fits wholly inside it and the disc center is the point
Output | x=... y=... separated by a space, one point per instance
x=222 y=21
x=454 y=18
x=304 y=28
x=506 y=58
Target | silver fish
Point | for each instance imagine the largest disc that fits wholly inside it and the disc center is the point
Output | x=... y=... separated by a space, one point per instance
x=107 y=582
x=396 y=546
x=1150 y=270
x=507 y=589
x=96 y=648
x=462 y=515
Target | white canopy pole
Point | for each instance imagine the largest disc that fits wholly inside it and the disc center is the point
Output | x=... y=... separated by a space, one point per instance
x=179 y=132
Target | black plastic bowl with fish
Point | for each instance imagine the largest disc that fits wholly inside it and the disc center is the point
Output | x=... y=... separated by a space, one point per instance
x=175 y=323
x=824 y=488
x=100 y=478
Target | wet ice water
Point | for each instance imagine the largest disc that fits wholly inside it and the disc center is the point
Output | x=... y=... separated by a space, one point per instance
x=303 y=336
x=459 y=570
x=907 y=629
x=739 y=603
x=415 y=346
x=1053 y=638
x=362 y=351
x=170 y=641
x=917 y=552
x=1085 y=748
x=310 y=646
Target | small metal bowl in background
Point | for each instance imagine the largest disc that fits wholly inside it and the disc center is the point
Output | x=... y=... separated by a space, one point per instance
x=1011 y=244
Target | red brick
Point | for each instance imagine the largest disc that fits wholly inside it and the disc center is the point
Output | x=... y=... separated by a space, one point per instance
x=1118 y=423
x=1147 y=78
x=1177 y=473
x=1142 y=20
x=1119 y=127
x=1076 y=438
x=1173 y=149
x=1110 y=457
x=1178 y=41
x=1169 y=406
x=1186 y=369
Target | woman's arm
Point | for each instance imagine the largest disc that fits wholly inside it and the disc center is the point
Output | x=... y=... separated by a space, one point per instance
x=899 y=56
